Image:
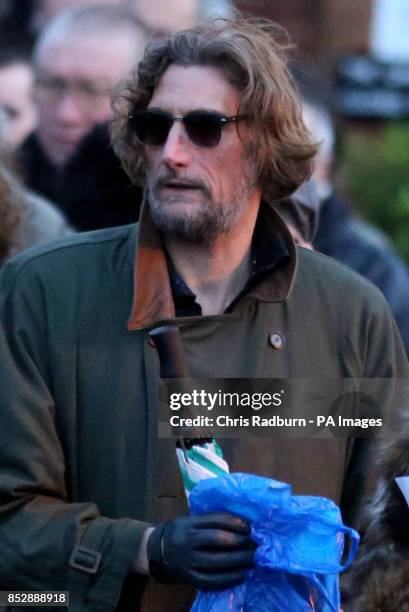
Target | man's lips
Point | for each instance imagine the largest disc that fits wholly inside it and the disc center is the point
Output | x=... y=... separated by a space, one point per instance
x=178 y=185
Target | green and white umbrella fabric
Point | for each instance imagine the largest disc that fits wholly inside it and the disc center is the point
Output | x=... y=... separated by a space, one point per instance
x=199 y=462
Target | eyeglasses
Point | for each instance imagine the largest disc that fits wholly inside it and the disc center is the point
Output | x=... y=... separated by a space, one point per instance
x=204 y=129
x=56 y=88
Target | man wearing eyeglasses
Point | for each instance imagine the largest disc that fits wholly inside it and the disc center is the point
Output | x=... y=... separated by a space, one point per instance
x=75 y=72
x=91 y=500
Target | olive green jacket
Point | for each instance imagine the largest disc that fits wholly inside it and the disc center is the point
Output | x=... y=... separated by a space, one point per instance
x=80 y=459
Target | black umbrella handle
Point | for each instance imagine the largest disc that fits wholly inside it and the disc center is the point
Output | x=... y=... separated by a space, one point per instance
x=171 y=357
x=173 y=365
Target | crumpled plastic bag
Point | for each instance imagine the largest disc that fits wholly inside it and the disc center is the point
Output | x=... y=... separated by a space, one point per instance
x=300 y=545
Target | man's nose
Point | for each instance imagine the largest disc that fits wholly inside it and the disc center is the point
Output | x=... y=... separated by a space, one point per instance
x=68 y=110
x=177 y=150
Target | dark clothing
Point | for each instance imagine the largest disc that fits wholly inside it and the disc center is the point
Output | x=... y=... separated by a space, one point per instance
x=95 y=191
x=37 y=171
x=339 y=236
x=80 y=457
x=92 y=189
x=266 y=255
x=378 y=579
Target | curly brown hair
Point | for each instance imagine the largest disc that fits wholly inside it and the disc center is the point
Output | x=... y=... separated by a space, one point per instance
x=10 y=212
x=253 y=55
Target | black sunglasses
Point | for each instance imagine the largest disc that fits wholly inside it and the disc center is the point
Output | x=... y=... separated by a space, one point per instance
x=152 y=127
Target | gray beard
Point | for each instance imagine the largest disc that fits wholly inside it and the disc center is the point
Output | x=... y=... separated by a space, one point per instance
x=210 y=221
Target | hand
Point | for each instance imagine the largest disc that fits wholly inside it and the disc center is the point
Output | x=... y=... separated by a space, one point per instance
x=209 y=552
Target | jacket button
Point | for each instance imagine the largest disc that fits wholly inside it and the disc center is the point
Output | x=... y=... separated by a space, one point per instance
x=276 y=340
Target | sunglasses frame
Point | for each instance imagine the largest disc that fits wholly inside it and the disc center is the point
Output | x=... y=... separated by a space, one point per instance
x=222 y=121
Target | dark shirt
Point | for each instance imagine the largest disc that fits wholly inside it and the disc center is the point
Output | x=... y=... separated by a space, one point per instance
x=268 y=250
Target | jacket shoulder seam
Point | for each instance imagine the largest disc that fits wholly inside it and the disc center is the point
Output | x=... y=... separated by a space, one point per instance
x=28 y=258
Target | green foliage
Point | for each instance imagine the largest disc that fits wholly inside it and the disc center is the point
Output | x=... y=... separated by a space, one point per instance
x=376 y=171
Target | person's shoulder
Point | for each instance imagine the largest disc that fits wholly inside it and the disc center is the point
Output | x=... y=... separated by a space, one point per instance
x=43 y=208
x=67 y=258
x=41 y=222
x=75 y=244
x=320 y=272
x=344 y=300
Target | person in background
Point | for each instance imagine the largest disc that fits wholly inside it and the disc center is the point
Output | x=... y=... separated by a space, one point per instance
x=156 y=15
x=4 y=126
x=378 y=580
x=27 y=220
x=353 y=242
x=10 y=217
x=46 y=10
x=16 y=94
x=301 y=213
x=95 y=192
x=75 y=71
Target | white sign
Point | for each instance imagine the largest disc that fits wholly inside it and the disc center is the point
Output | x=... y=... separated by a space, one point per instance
x=389 y=40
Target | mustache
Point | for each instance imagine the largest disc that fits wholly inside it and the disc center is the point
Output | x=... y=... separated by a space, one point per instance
x=159 y=181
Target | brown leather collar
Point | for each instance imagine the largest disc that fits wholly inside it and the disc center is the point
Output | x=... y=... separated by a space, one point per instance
x=152 y=295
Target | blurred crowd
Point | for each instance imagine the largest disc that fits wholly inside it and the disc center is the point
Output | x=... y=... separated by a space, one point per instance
x=56 y=76
x=59 y=174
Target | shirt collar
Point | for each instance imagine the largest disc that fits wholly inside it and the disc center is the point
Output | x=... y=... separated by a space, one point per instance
x=271 y=281
x=266 y=253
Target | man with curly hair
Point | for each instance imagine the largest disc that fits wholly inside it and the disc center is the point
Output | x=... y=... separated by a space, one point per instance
x=91 y=500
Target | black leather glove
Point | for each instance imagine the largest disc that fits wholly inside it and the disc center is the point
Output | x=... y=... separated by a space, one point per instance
x=209 y=552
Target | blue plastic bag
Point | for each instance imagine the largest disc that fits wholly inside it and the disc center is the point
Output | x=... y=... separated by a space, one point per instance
x=300 y=544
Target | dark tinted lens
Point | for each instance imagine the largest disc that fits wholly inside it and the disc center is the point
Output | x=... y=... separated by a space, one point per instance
x=151 y=128
x=203 y=129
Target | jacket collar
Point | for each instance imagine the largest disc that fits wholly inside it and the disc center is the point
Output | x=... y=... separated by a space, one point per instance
x=152 y=294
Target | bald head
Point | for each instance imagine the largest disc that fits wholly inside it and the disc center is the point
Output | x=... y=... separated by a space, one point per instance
x=79 y=58
x=99 y=19
x=46 y=10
